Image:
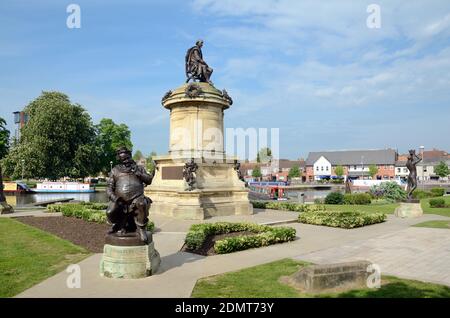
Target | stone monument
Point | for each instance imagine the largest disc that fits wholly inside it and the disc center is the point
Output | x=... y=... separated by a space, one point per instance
x=410 y=207
x=5 y=208
x=129 y=250
x=196 y=179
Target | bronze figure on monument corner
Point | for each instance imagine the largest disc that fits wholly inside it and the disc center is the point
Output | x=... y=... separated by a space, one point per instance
x=411 y=164
x=4 y=206
x=189 y=173
x=196 y=67
x=128 y=207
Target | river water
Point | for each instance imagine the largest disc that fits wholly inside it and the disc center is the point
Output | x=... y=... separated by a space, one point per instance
x=22 y=199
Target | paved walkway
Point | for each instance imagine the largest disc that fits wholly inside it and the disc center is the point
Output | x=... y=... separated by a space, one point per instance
x=180 y=271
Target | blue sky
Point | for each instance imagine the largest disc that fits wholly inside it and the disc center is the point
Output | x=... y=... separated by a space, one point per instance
x=313 y=69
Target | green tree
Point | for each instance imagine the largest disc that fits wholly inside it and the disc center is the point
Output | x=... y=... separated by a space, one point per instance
x=110 y=137
x=442 y=169
x=339 y=171
x=4 y=138
x=256 y=173
x=373 y=170
x=138 y=155
x=294 y=172
x=57 y=141
x=150 y=163
x=264 y=155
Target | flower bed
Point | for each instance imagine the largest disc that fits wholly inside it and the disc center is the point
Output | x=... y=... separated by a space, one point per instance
x=342 y=219
x=91 y=212
x=263 y=236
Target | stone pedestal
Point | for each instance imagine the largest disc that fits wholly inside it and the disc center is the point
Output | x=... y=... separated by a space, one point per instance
x=196 y=131
x=5 y=208
x=408 y=210
x=330 y=277
x=128 y=257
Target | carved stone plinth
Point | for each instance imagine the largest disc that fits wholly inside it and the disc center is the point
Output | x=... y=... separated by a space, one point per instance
x=127 y=257
x=409 y=210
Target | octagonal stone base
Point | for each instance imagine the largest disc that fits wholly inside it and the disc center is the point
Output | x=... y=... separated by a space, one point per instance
x=129 y=262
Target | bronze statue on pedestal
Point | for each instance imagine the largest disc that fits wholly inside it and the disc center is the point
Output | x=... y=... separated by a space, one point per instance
x=411 y=164
x=128 y=207
x=196 y=67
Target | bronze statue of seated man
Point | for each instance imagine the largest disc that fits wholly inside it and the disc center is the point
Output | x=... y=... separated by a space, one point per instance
x=128 y=207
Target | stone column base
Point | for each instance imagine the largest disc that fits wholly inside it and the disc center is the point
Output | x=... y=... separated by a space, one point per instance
x=408 y=210
x=129 y=262
x=5 y=208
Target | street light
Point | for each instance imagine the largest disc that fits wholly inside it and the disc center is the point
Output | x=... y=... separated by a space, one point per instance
x=423 y=166
x=23 y=167
x=111 y=163
x=362 y=167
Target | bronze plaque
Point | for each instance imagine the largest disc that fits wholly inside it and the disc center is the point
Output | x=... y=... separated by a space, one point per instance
x=172 y=173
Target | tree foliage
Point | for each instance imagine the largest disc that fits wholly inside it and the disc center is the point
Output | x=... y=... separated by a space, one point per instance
x=264 y=155
x=138 y=155
x=339 y=171
x=150 y=165
x=256 y=173
x=442 y=169
x=110 y=137
x=4 y=138
x=295 y=172
x=373 y=170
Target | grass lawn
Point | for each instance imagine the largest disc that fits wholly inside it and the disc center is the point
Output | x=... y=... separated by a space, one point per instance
x=262 y=281
x=387 y=208
x=439 y=224
x=439 y=211
x=29 y=255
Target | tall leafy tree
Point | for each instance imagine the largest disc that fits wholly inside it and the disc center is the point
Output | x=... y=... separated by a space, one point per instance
x=110 y=137
x=442 y=169
x=138 y=155
x=339 y=171
x=294 y=172
x=4 y=138
x=373 y=170
x=57 y=141
x=150 y=163
x=256 y=172
x=264 y=155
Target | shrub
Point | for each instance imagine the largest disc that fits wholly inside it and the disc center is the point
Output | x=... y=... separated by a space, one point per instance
x=437 y=203
x=90 y=212
x=357 y=198
x=334 y=198
x=437 y=192
x=390 y=191
x=264 y=235
x=287 y=206
x=420 y=194
x=343 y=219
x=318 y=201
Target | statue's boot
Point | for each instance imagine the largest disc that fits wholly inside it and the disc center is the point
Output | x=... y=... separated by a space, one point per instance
x=115 y=228
x=143 y=233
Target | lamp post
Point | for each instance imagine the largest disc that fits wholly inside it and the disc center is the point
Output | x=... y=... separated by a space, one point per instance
x=23 y=167
x=111 y=163
x=362 y=167
x=423 y=166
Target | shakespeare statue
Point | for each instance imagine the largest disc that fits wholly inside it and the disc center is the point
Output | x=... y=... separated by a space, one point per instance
x=411 y=164
x=189 y=173
x=4 y=206
x=128 y=207
x=196 y=67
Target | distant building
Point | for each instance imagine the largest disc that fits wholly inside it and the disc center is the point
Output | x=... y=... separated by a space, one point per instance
x=425 y=168
x=20 y=119
x=321 y=165
x=277 y=170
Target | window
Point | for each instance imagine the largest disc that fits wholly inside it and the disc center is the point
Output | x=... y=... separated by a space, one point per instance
x=405 y=170
x=321 y=168
x=317 y=168
x=399 y=170
x=424 y=169
x=327 y=168
x=354 y=167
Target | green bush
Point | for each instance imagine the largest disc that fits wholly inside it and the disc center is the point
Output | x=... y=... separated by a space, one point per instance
x=390 y=191
x=287 y=206
x=318 y=201
x=343 y=219
x=420 y=194
x=437 y=192
x=437 y=203
x=334 y=198
x=90 y=212
x=264 y=235
x=357 y=198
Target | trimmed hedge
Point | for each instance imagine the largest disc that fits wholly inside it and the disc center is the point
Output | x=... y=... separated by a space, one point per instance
x=357 y=198
x=433 y=193
x=438 y=203
x=343 y=219
x=287 y=206
x=334 y=198
x=264 y=236
x=87 y=211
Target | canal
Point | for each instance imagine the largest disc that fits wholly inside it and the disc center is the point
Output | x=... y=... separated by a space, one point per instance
x=23 y=199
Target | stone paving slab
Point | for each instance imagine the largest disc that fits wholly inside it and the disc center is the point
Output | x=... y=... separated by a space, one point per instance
x=180 y=271
x=417 y=253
